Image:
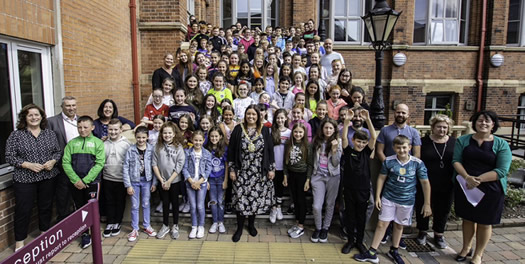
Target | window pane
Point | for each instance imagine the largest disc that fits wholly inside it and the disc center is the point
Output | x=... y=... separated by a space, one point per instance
x=354 y=30
x=429 y=101
x=339 y=30
x=437 y=8
x=451 y=30
x=514 y=10
x=226 y=11
x=227 y=22
x=420 y=20
x=428 y=115
x=6 y=116
x=462 y=35
x=255 y=6
x=242 y=8
x=512 y=32
x=340 y=7
x=30 y=72
x=437 y=31
x=451 y=8
x=442 y=101
x=355 y=8
x=243 y=21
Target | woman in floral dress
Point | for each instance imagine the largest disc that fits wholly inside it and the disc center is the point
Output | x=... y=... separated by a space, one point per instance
x=252 y=168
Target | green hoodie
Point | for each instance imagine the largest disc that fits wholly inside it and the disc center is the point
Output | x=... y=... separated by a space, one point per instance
x=84 y=159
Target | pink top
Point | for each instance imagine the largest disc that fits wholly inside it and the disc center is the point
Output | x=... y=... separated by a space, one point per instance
x=297 y=89
x=333 y=110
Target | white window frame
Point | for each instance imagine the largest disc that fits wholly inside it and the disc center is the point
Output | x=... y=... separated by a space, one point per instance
x=429 y=18
x=434 y=110
x=190 y=7
x=521 y=108
x=13 y=46
x=266 y=13
x=521 y=30
x=362 y=30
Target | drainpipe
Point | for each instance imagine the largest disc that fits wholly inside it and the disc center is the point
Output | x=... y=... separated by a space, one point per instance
x=134 y=61
x=479 y=78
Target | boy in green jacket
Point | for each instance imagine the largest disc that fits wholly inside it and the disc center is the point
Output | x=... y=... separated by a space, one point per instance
x=83 y=161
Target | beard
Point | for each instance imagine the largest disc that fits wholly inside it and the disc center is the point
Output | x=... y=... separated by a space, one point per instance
x=400 y=120
x=357 y=123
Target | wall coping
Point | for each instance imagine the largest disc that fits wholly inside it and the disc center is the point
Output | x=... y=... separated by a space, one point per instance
x=344 y=46
x=152 y=26
x=6 y=181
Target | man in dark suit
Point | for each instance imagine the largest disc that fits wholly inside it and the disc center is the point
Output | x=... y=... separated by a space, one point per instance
x=65 y=127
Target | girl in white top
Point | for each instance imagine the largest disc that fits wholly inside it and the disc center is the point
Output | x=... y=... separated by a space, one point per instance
x=280 y=133
x=167 y=97
x=242 y=102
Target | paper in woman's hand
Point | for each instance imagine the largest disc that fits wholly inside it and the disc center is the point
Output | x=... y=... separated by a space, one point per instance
x=473 y=195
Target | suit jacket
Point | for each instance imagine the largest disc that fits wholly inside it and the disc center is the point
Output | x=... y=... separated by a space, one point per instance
x=56 y=123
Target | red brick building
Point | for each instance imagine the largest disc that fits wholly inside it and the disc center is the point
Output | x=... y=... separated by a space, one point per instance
x=53 y=48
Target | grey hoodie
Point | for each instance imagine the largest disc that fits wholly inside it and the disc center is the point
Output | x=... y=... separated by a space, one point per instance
x=169 y=159
x=115 y=156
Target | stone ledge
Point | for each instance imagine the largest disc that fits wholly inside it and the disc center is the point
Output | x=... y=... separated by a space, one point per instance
x=152 y=26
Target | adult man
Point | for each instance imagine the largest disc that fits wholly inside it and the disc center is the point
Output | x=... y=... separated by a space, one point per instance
x=65 y=127
x=326 y=60
x=357 y=124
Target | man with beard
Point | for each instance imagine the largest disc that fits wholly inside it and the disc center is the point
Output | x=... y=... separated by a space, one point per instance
x=330 y=56
x=384 y=146
x=357 y=124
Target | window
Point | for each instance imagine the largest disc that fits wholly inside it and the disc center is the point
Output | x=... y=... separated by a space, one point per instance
x=441 y=22
x=254 y=13
x=190 y=5
x=343 y=20
x=438 y=104
x=521 y=109
x=514 y=26
x=25 y=77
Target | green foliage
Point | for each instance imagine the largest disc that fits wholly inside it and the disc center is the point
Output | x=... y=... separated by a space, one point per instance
x=515 y=196
x=447 y=111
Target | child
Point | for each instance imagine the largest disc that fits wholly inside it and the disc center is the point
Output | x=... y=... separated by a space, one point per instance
x=320 y=112
x=139 y=182
x=228 y=122
x=181 y=107
x=186 y=128
x=84 y=173
x=271 y=76
x=194 y=96
x=300 y=98
x=245 y=74
x=242 y=102
x=315 y=58
x=153 y=134
x=314 y=75
x=167 y=97
x=324 y=172
x=280 y=134
x=398 y=175
x=297 y=64
x=265 y=98
x=313 y=95
x=258 y=89
x=283 y=98
x=356 y=180
x=335 y=103
x=337 y=66
x=295 y=168
x=234 y=65
x=218 y=179
x=263 y=109
x=286 y=70
x=205 y=124
x=298 y=117
x=167 y=162
x=219 y=90
x=209 y=107
x=196 y=171
x=154 y=109
x=298 y=85
x=112 y=179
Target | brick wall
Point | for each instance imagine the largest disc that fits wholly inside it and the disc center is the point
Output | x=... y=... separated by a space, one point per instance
x=31 y=20
x=97 y=54
x=302 y=10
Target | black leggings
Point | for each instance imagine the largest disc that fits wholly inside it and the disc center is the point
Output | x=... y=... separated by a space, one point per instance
x=296 y=182
x=167 y=197
x=115 y=200
x=441 y=202
x=278 y=186
x=356 y=204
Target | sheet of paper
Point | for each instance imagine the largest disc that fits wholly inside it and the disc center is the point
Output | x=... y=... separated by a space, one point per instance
x=473 y=195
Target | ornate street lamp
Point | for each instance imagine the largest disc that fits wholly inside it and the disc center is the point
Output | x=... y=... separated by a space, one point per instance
x=379 y=23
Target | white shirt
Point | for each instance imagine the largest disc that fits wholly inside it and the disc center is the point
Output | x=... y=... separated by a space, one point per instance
x=70 y=127
x=198 y=156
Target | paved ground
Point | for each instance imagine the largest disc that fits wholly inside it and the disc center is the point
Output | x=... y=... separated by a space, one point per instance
x=273 y=245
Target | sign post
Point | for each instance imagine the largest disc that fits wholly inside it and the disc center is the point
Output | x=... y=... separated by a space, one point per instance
x=54 y=240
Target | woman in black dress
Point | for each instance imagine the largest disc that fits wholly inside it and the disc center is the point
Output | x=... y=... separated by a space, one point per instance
x=483 y=161
x=437 y=150
x=166 y=71
x=252 y=169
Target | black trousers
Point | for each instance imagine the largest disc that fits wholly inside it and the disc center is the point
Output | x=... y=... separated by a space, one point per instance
x=81 y=197
x=278 y=186
x=25 y=194
x=296 y=182
x=62 y=196
x=167 y=197
x=441 y=202
x=356 y=204
x=115 y=200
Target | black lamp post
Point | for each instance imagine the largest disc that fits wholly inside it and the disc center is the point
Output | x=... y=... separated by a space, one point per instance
x=379 y=23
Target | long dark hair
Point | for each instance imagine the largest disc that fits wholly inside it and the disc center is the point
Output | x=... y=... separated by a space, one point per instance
x=320 y=138
x=100 y=111
x=195 y=96
x=22 y=123
x=177 y=138
x=317 y=95
x=214 y=111
x=291 y=142
x=345 y=86
x=259 y=118
x=220 y=148
x=276 y=134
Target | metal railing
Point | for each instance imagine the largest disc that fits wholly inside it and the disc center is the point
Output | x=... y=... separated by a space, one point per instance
x=516 y=142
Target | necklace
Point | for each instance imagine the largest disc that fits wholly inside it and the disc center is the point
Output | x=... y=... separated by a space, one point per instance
x=251 y=146
x=441 y=164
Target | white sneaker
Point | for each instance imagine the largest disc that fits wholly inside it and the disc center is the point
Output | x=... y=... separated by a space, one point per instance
x=164 y=230
x=186 y=208
x=175 y=232
x=213 y=228
x=222 y=228
x=193 y=233
x=159 y=208
x=200 y=232
x=273 y=215
x=279 y=213
x=133 y=235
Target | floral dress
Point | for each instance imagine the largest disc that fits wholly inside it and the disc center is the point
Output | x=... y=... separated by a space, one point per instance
x=253 y=193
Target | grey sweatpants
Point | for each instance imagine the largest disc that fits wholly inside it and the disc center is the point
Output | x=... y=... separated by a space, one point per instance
x=324 y=190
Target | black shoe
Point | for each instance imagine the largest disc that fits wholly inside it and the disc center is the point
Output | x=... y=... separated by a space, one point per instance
x=107 y=231
x=323 y=236
x=237 y=236
x=229 y=209
x=460 y=258
x=315 y=236
x=440 y=242
x=347 y=247
x=116 y=230
x=362 y=249
x=86 y=241
x=402 y=244
x=385 y=239
x=252 y=231
x=368 y=256
x=394 y=255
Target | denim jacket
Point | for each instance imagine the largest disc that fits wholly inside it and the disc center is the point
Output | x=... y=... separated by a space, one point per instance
x=188 y=171
x=131 y=169
x=334 y=164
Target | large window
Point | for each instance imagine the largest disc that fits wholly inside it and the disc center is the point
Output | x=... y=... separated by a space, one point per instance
x=254 y=13
x=438 y=104
x=343 y=20
x=441 y=22
x=521 y=109
x=514 y=26
x=25 y=77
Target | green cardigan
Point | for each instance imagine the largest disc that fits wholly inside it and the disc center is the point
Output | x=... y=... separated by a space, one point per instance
x=503 y=156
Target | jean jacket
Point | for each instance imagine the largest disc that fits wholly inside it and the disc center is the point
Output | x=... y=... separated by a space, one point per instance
x=188 y=171
x=131 y=169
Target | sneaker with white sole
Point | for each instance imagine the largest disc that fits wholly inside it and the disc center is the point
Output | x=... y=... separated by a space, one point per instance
x=186 y=208
x=323 y=236
x=85 y=241
x=133 y=235
x=116 y=230
x=200 y=231
x=315 y=236
x=273 y=216
x=193 y=232
x=297 y=233
x=150 y=231
x=279 y=213
x=293 y=228
x=213 y=228
x=222 y=228
x=107 y=231
x=164 y=230
x=421 y=238
x=369 y=256
x=175 y=232
x=394 y=255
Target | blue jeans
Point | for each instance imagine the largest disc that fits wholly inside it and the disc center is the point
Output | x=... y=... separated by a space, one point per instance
x=142 y=192
x=216 y=201
x=196 y=199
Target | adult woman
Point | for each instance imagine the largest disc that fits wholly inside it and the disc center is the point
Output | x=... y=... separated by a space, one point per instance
x=437 y=150
x=164 y=72
x=252 y=168
x=33 y=150
x=185 y=65
x=106 y=111
x=483 y=161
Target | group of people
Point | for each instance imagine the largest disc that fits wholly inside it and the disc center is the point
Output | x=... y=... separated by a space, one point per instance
x=240 y=128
